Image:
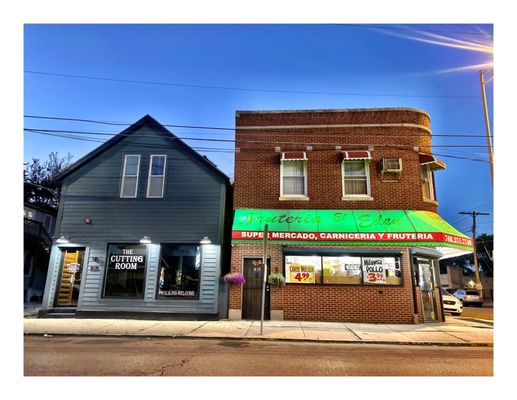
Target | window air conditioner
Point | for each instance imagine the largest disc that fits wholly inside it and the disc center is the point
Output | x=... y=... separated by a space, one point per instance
x=391 y=165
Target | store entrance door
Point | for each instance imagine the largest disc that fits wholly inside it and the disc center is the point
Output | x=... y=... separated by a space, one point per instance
x=70 y=279
x=252 y=290
x=427 y=284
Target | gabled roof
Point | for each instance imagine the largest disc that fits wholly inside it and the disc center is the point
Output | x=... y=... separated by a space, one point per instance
x=151 y=123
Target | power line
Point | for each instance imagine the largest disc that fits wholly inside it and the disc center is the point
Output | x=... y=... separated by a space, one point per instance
x=228 y=150
x=249 y=141
x=221 y=128
x=56 y=74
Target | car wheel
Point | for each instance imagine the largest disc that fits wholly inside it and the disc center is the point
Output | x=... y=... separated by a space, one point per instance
x=456 y=314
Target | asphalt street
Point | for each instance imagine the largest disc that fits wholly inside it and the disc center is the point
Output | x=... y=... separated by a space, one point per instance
x=141 y=356
x=486 y=313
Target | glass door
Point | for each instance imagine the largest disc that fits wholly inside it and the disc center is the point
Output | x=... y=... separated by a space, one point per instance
x=70 y=281
x=427 y=283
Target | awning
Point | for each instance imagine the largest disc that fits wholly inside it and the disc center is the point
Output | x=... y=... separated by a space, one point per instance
x=294 y=155
x=429 y=159
x=356 y=155
x=348 y=228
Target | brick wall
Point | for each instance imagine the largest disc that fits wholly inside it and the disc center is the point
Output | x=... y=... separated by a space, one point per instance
x=257 y=165
x=257 y=185
x=346 y=303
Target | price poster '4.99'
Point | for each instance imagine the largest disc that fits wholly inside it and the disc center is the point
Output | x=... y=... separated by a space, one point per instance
x=301 y=273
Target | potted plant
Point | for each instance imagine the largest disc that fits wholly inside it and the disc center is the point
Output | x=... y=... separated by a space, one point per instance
x=276 y=279
x=234 y=278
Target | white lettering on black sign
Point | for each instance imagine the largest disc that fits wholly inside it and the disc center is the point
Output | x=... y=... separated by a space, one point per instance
x=128 y=260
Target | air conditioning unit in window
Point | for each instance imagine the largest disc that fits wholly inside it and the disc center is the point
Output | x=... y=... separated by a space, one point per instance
x=391 y=165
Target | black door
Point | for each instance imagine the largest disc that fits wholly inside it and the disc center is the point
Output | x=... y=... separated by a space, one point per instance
x=252 y=289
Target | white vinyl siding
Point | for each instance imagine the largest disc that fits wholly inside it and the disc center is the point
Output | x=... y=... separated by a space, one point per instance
x=129 y=185
x=294 y=178
x=156 y=180
x=356 y=178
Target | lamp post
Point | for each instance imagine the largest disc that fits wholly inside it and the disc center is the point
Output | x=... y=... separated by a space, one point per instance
x=487 y=122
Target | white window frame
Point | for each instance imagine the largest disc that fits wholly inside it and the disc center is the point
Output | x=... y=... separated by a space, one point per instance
x=131 y=176
x=368 y=194
x=430 y=180
x=156 y=176
x=293 y=196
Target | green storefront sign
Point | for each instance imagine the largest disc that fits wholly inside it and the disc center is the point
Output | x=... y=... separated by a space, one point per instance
x=347 y=227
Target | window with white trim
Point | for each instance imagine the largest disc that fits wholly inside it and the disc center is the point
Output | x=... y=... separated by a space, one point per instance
x=294 y=177
x=356 y=178
x=156 y=180
x=129 y=184
x=426 y=178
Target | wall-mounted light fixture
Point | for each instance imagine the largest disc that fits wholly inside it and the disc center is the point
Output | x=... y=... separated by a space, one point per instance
x=205 y=240
x=145 y=240
x=62 y=240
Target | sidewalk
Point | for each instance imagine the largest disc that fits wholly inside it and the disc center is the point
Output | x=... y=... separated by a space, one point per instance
x=454 y=332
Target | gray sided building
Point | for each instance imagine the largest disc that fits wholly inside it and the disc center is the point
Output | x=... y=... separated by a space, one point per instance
x=140 y=230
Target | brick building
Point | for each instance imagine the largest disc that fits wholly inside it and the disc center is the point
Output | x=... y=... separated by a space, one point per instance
x=349 y=200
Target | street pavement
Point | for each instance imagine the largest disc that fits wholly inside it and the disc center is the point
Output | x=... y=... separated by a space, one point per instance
x=453 y=332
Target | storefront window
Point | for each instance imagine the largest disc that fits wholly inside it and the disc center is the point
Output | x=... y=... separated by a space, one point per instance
x=303 y=269
x=343 y=269
x=125 y=275
x=179 y=271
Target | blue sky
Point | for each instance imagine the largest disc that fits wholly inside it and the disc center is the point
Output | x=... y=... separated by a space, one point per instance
x=430 y=67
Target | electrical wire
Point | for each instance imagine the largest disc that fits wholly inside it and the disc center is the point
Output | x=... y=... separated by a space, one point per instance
x=250 y=141
x=243 y=129
x=56 y=74
x=240 y=150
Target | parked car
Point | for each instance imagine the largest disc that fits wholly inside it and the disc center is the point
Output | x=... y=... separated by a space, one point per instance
x=451 y=304
x=469 y=297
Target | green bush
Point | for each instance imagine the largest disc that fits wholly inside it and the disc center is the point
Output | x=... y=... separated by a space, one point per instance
x=276 y=279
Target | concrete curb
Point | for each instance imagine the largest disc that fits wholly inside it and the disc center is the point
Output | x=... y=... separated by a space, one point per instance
x=269 y=339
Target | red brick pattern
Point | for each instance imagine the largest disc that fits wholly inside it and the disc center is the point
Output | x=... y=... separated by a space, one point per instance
x=347 y=303
x=257 y=185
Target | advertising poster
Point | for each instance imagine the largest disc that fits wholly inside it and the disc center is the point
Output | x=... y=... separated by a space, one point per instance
x=374 y=270
x=301 y=273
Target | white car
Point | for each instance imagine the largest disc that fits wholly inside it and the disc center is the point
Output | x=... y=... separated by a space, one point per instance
x=451 y=304
x=469 y=297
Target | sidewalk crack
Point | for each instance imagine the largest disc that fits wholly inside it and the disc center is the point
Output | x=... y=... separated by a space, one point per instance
x=355 y=334
x=199 y=327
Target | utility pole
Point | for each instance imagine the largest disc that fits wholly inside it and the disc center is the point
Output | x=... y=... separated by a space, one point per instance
x=487 y=122
x=264 y=264
x=474 y=214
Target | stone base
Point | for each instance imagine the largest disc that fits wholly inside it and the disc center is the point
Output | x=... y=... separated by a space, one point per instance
x=277 y=315
x=234 y=314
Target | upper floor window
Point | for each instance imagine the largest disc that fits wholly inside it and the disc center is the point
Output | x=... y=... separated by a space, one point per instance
x=129 y=185
x=293 y=170
x=156 y=181
x=426 y=177
x=356 y=175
